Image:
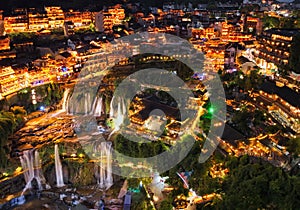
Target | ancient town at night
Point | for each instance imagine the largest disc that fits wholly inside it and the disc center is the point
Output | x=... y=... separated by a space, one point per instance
x=145 y=105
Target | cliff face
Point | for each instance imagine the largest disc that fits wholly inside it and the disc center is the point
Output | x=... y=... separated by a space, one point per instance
x=11 y=186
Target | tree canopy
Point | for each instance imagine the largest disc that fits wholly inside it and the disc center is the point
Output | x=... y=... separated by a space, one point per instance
x=294 y=61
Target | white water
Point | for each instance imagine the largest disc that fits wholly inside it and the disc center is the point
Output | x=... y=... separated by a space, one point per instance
x=118 y=117
x=65 y=101
x=111 y=109
x=104 y=169
x=31 y=165
x=58 y=168
x=87 y=103
x=97 y=106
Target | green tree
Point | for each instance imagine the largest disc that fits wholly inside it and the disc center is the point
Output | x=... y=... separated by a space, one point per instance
x=165 y=205
x=20 y=114
x=287 y=23
x=270 y=22
x=294 y=60
x=7 y=126
x=293 y=146
x=258 y=186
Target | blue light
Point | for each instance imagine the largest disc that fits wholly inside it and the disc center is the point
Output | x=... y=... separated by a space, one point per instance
x=42 y=108
x=64 y=69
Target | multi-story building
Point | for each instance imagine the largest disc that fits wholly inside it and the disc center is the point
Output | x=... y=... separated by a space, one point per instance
x=230 y=57
x=79 y=19
x=106 y=19
x=86 y=18
x=4 y=43
x=233 y=33
x=68 y=28
x=284 y=104
x=274 y=48
x=103 y=21
x=37 y=19
x=17 y=22
x=1 y=23
x=117 y=13
x=214 y=54
x=56 y=17
x=8 y=81
x=74 y=17
x=22 y=77
x=38 y=78
x=253 y=25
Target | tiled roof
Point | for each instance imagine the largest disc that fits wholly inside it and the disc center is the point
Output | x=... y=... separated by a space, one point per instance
x=284 y=92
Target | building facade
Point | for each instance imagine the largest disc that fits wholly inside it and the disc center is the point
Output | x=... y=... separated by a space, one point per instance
x=274 y=48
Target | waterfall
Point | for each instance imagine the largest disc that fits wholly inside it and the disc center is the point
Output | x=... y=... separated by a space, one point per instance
x=119 y=118
x=104 y=169
x=97 y=106
x=86 y=105
x=65 y=101
x=111 y=110
x=32 y=168
x=108 y=153
x=94 y=105
x=58 y=168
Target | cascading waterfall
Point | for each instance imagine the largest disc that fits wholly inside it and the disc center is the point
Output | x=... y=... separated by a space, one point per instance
x=58 y=168
x=119 y=116
x=103 y=170
x=97 y=106
x=108 y=153
x=87 y=103
x=111 y=109
x=65 y=101
x=31 y=165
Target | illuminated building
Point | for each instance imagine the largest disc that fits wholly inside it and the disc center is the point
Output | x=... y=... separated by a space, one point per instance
x=253 y=25
x=103 y=21
x=209 y=32
x=17 y=22
x=4 y=43
x=233 y=33
x=214 y=53
x=38 y=78
x=1 y=23
x=273 y=49
x=37 y=19
x=245 y=65
x=106 y=19
x=230 y=56
x=8 y=54
x=79 y=19
x=86 y=18
x=68 y=28
x=117 y=13
x=2 y=29
x=22 y=77
x=55 y=17
x=285 y=102
x=8 y=81
x=74 y=16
